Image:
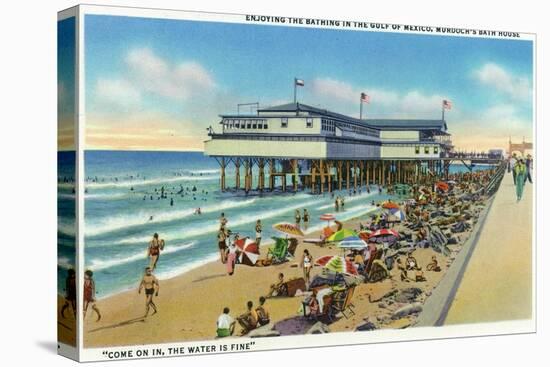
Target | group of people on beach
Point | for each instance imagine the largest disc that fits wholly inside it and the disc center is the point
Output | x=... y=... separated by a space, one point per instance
x=299 y=218
x=521 y=172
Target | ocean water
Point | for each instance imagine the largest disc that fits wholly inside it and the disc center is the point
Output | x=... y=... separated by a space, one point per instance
x=123 y=208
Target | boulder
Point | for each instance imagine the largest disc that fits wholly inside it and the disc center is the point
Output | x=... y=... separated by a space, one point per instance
x=263 y=331
x=408 y=295
x=366 y=326
x=318 y=328
x=407 y=310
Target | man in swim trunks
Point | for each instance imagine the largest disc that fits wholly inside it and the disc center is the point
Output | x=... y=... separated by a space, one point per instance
x=89 y=293
x=151 y=285
x=222 y=245
x=153 y=252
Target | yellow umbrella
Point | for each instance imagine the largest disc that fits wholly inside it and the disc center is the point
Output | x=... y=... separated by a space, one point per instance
x=289 y=228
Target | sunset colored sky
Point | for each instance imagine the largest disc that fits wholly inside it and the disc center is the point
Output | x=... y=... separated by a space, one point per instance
x=157 y=84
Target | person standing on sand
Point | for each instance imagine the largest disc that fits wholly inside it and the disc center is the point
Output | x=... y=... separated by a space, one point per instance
x=153 y=252
x=305 y=218
x=70 y=293
x=222 y=245
x=231 y=256
x=529 y=166
x=258 y=232
x=305 y=264
x=513 y=162
x=151 y=285
x=297 y=217
x=521 y=175
x=89 y=293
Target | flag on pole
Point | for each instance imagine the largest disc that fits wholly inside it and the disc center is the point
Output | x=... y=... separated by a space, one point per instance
x=299 y=82
x=447 y=104
x=365 y=98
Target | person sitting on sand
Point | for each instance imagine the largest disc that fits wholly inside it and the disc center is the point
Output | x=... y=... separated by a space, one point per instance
x=153 y=252
x=89 y=294
x=402 y=270
x=225 y=326
x=279 y=288
x=249 y=319
x=70 y=293
x=433 y=266
x=262 y=312
x=151 y=285
x=412 y=265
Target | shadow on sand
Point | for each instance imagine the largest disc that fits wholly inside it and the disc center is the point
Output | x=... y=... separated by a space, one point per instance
x=297 y=325
x=202 y=279
x=119 y=324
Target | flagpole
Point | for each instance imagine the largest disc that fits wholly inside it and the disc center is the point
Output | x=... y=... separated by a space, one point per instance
x=442 y=111
x=360 y=108
x=294 y=90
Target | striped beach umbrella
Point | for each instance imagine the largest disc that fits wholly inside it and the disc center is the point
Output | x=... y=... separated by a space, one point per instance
x=289 y=228
x=337 y=264
x=352 y=242
x=250 y=251
x=385 y=232
x=341 y=234
x=390 y=205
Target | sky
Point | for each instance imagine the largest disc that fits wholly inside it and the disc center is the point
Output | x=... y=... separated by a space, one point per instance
x=157 y=84
x=66 y=34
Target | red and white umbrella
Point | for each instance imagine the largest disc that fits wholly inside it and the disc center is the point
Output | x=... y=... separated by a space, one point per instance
x=327 y=217
x=337 y=264
x=250 y=251
x=385 y=232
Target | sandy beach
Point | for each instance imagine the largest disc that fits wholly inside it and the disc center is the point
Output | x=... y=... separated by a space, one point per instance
x=189 y=304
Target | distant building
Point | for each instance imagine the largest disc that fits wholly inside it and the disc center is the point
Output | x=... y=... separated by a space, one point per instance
x=300 y=131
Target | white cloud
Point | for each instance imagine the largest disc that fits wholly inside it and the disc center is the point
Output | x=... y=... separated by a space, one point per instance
x=494 y=76
x=345 y=97
x=146 y=73
x=153 y=74
x=117 y=91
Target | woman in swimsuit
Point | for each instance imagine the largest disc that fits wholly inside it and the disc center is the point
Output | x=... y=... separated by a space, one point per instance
x=89 y=293
x=231 y=256
x=306 y=265
x=153 y=252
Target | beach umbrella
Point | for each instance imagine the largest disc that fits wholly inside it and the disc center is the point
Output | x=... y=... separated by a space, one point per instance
x=385 y=232
x=289 y=228
x=341 y=234
x=352 y=242
x=396 y=215
x=250 y=251
x=443 y=186
x=390 y=205
x=328 y=217
x=337 y=264
x=364 y=234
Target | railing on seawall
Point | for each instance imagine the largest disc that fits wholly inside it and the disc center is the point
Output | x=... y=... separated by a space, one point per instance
x=495 y=181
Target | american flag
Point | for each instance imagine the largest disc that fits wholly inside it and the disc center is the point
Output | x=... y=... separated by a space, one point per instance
x=299 y=82
x=447 y=104
x=365 y=98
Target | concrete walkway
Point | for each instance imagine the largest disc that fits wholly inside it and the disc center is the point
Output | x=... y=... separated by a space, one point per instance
x=497 y=283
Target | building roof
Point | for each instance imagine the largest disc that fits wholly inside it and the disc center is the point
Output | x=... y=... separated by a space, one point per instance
x=420 y=124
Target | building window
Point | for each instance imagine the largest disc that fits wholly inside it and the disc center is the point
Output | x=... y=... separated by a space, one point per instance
x=417 y=150
x=248 y=125
x=284 y=121
x=255 y=124
x=265 y=125
x=309 y=122
x=436 y=150
x=426 y=150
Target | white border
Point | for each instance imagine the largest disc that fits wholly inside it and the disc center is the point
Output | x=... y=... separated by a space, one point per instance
x=287 y=342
